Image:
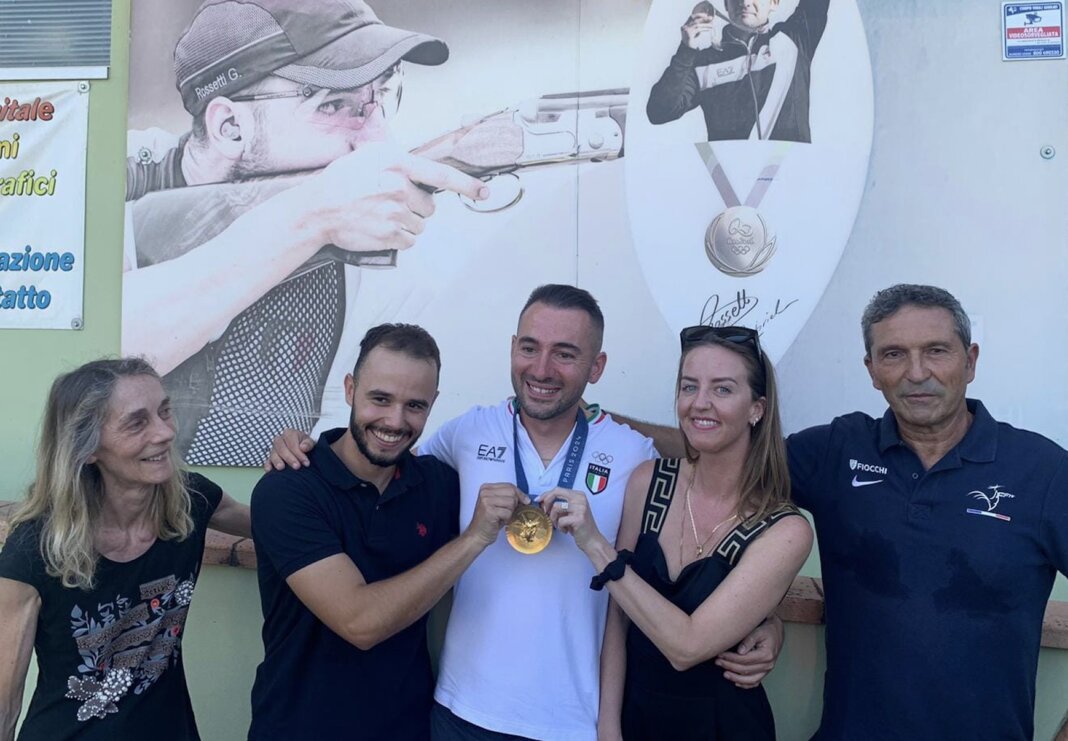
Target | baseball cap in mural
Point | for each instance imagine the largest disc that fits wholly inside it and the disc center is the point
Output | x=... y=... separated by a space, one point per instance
x=337 y=44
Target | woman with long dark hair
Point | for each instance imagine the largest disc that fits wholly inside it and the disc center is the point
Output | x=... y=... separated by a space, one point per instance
x=716 y=544
x=98 y=571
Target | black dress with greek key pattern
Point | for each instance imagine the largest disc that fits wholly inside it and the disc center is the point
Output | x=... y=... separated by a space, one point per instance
x=698 y=704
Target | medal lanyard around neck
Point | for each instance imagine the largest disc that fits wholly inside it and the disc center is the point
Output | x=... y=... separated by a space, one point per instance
x=574 y=453
x=763 y=181
x=752 y=85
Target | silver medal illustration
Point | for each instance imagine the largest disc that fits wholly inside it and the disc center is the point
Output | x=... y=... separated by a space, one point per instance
x=738 y=241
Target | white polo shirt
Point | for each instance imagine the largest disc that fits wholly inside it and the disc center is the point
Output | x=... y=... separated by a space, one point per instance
x=524 y=638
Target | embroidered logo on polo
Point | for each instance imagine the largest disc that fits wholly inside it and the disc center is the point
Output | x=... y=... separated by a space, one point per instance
x=855 y=465
x=991 y=498
x=492 y=453
x=597 y=478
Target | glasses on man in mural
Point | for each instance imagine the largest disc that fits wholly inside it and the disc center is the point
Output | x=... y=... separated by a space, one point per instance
x=346 y=108
x=298 y=184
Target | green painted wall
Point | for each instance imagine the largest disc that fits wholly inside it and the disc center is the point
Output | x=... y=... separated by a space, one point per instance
x=222 y=643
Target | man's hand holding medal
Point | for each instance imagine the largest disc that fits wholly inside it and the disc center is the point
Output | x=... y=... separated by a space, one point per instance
x=569 y=512
x=496 y=506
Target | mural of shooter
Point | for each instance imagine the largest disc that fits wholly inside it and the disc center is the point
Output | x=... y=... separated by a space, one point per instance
x=243 y=234
x=748 y=69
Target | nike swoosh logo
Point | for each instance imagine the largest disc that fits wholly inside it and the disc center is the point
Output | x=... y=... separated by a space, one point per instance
x=865 y=483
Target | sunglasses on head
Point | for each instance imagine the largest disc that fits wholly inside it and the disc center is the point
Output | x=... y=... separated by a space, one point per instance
x=735 y=335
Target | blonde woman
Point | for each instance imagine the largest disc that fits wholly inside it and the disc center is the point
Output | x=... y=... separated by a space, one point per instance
x=716 y=545
x=98 y=571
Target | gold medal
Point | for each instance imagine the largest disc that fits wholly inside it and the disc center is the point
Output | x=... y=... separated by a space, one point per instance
x=529 y=530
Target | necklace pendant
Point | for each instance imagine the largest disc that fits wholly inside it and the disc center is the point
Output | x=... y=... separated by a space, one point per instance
x=700 y=551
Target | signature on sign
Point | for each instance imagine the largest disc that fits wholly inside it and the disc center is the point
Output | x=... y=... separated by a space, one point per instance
x=718 y=312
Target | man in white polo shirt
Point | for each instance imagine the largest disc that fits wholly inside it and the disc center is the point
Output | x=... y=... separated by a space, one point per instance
x=524 y=636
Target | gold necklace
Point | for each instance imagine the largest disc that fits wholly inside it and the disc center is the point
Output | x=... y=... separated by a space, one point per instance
x=693 y=523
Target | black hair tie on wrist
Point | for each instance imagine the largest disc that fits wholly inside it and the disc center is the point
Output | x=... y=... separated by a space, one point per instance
x=612 y=571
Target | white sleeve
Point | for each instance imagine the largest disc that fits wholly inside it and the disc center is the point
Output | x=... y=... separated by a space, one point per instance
x=441 y=444
x=649 y=451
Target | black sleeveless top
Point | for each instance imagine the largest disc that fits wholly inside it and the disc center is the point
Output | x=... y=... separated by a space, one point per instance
x=660 y=702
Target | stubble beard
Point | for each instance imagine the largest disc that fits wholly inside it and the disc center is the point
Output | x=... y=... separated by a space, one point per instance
x=534 y=411
x=360 y=437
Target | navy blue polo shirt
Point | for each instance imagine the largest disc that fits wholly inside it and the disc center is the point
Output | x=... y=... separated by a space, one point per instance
x=313 y=684
x=935 y=581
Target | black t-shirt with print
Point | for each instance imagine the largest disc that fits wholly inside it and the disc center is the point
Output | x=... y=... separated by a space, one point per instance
x=109 y=660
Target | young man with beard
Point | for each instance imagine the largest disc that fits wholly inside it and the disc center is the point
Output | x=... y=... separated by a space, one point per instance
x=354 y=550
x=524 y=636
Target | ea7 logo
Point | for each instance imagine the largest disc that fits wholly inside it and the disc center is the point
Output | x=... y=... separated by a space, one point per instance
x=597 y=478
x=492 y=453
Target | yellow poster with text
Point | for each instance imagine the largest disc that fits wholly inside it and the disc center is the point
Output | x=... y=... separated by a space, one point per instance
x=43 y=134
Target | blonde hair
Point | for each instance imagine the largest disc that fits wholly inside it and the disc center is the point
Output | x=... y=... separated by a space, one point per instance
x=67 y=492
x=765 y=486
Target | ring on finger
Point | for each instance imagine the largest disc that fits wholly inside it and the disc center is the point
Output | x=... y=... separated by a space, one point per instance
x=564 y=504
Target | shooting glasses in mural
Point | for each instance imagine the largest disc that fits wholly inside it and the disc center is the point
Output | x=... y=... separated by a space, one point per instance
x=349 y=108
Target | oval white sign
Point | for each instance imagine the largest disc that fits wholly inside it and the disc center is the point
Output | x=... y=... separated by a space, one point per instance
x=748 y=137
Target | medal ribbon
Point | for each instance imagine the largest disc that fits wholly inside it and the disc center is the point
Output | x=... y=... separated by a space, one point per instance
x=723 y=183
x=574 y=453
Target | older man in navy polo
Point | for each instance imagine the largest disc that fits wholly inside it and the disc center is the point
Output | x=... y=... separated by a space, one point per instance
x=940 y=530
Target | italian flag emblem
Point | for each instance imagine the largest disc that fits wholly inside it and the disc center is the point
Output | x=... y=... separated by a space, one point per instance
x=596 y=478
